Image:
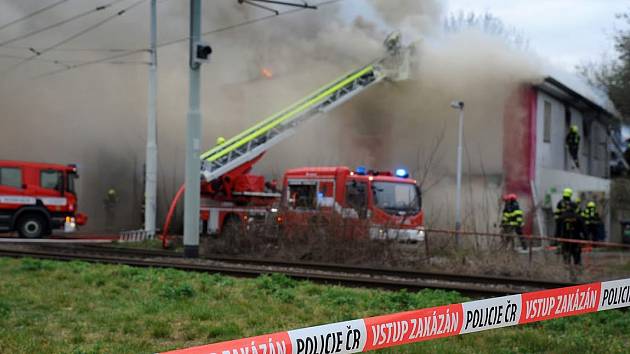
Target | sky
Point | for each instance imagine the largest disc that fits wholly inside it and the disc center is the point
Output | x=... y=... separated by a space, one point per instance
x=566 y=32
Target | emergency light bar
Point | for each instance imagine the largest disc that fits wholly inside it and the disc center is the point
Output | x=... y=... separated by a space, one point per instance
x=402 y=173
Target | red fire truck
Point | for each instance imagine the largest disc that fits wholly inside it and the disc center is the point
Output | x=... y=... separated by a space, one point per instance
x=231 y=196
x=37 y=198
x=390 y=204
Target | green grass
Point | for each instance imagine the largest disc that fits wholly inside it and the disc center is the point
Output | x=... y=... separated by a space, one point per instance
x=75 y=307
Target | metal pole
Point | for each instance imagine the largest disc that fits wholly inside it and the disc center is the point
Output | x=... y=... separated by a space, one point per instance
x=193 y=140
x=150 y=188
x=458 y=200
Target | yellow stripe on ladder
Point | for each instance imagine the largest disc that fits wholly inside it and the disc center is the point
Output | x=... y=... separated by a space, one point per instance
x=272 y=121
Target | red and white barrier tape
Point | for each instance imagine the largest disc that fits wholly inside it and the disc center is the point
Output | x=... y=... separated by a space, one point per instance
x=431 y=323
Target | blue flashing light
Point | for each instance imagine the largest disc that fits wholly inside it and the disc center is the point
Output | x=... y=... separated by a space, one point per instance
x=402 y=173
x=361 y=170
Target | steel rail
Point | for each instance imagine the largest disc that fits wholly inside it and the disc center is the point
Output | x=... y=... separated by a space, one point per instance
x=317 y=272
x=318 y=266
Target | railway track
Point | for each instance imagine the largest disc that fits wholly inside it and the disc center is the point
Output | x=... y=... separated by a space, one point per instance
x=473 y=285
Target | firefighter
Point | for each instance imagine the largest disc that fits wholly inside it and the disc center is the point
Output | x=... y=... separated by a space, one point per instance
x=110 y=201
x=592 y=222
x=111 y=198
x=512 y=220
x=572 y=228
x=564 y=204
x=572 y=142
x=578 y=206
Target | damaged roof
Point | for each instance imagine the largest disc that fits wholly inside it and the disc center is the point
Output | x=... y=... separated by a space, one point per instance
x=569 y=87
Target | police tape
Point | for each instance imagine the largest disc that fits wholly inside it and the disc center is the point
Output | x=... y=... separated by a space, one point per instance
x=385 y=331
x=531 y=237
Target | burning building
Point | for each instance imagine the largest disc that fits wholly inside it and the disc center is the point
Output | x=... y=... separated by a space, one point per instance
x=537 y=164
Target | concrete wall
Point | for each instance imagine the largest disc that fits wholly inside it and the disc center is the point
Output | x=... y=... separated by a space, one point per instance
x=481 y=203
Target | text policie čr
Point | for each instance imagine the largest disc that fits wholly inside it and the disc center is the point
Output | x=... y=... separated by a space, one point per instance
x=333 y=342
x=415 y=328
x=616 y=296
x=491 y=316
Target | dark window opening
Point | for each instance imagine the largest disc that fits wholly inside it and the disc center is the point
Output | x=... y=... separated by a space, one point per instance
x=547 y=123
x=71 y=183
x=356 y=197
x=303 y=196
x=11 y=177
x=51 y=179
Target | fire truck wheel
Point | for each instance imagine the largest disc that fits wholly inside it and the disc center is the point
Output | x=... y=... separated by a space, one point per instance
x=31 y=226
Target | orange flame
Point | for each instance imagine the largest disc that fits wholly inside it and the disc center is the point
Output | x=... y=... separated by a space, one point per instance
x=266 y=72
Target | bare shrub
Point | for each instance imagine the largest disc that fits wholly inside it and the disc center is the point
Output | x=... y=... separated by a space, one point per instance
x=329 y=239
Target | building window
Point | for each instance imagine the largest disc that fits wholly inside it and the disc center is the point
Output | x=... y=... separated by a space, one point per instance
x=586 y=145
x=11 y=177
x=547 y=123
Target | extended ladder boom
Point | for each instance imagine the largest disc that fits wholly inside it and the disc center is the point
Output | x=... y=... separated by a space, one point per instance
x=254 y=141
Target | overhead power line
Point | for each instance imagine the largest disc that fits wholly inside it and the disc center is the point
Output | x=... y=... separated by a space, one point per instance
x=111 y=50
x=60 y=23
x=78 y=34
x=52 y=61
x=183 y=39
x=246 y=23
x=97 y=61
x=32 y=14
x=69 y=63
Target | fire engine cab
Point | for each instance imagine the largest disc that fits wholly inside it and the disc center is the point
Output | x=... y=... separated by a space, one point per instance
x=391 y=204
x=37 y=198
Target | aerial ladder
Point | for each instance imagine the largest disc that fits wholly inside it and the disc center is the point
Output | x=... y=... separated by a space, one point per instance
x=236 y=156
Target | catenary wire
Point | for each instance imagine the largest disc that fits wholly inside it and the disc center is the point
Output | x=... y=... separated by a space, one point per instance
x=38 y=53
x=60 y=23
x=179 y=40
x=32 y=14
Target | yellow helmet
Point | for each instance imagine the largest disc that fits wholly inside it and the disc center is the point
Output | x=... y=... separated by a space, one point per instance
x=591 y=204
x=574 y=128
x=568 y=192
x=220 y=140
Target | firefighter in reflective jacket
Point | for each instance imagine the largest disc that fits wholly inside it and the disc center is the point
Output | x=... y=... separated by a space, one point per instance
x=564 y=204
x=572 y=142
x=592 y=222
x=571 y=228
x=512 y=220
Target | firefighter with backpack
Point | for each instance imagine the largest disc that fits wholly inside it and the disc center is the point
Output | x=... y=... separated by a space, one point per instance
x=569 y=225
x=592 y=222
x=512 y=219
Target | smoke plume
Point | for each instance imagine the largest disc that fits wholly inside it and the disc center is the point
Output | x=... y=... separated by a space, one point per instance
x=96 y=115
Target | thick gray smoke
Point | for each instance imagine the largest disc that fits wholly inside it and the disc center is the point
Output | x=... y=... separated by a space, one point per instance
x=95 y=115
